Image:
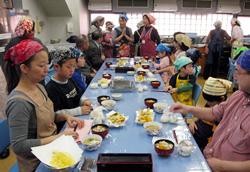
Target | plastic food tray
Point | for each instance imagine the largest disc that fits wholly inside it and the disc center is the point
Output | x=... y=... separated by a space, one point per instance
x=122 y=86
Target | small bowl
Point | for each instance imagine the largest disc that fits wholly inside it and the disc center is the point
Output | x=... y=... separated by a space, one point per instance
x=135 y=63
x=104 y=85
x=118 y=59
x=125 y=58
x=146 y=57
x=152 y=132
x=145 y=66
x=92 y=147
x=108 y=64
x=159 y=107
x=120 y=78
x=100 y=133
x=155 y=84
x=107 y=76
x=116 y=96
x=141 y=73
x=137 y=58
x=149 y=103
x=130 y=73
x=102 y=98
x=55 y=41
x=108 y=104
x=163 y=152
x=113 y=66
x=94 y=85
x=151 y=79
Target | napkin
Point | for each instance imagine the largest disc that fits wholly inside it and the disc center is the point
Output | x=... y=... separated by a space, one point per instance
x=83 y=131
x=171 y=139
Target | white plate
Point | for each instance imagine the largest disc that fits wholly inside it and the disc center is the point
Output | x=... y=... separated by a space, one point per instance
x=110 y=124
x=140 y=81
x=137 y=114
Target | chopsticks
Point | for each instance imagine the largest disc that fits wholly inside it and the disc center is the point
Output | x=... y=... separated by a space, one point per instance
x=158 y=91
x=175 y=136
x=75 y=127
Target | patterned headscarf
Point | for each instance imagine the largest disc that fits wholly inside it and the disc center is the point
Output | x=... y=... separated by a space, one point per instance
x=61 y=54
x=23 y=24
x=151 y=19
x=181 y=38
x=124 y=16
x=216 y=87
x=76 y=52
x=23 y=51
x=244 y=60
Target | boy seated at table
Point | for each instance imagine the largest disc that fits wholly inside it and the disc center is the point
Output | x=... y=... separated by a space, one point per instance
x=77 y=76
x=214 y=92
x=195 y=55
x=181 y=84
x=164 y=53
x=66 y=96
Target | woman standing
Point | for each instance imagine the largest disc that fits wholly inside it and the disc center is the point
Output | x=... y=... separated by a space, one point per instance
x=122 y=35
x=29 y=111
x=95 y=25
x=237 y=36
x=107 y=41
x=149 y=37
x=137 y=38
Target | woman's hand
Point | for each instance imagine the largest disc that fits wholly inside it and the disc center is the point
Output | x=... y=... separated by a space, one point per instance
x=215 y=164
x=206 y=50
x=124 y=31
x=87 y=103
x=92 y=75
x=153 y=62
x=70 y=133
x=192 y=127
x=71 y=120
x=179 y=108
x=155 y=71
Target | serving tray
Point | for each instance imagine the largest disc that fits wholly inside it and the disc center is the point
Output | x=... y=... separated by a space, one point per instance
x=122 y=86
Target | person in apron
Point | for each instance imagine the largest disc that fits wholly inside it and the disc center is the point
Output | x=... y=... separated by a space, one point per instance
x=237 y=37
x=149 y=37
x=107 y=40
x=30 y=113
x=214 y=45
x=181 y=84
x=137 y=38
x=95 y=25
x=122 y=36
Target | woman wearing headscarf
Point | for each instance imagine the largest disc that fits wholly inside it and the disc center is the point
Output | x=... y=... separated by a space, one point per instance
x=122 y=36
x=29 y=110
x=214 y=44
x=182 y=43
x=107 y=41
x=149 y=37
x=25 y=29
x=137 y=38
x=237 y=36
x=95 y=25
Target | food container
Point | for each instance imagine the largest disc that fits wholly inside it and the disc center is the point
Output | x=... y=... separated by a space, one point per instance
x=113 y=66
x=108 y=104
x=153 y=132
x=130 y=73
x=107 y=76
x=122 y=86
x=102 y=98
x=94 y=146
x=141 y=73
x=159 y=107
x=163 y=152
x=100 y=133
x=116 y=96
x=108 y=64
x=155 y=84
x=149 y=102
x=53 y=41
x=145 y=66
x=119 y=78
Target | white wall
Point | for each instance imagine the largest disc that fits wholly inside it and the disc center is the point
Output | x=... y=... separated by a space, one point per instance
x=55 y=27
x=36 y=11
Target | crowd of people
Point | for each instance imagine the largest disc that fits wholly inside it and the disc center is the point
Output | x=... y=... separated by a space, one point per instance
x=46 y=88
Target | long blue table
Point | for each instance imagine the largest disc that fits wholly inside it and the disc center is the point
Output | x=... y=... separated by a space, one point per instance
x=132 y=138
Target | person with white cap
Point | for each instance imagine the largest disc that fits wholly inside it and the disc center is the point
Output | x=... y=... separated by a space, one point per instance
x=229 y=149
x=214 y=92
x=95 y=25
x=214 y=44
x=107 y=40
x=137 y=38
x=237 y=36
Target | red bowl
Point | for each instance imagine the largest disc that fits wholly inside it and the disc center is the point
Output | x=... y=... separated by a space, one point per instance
x=149 y=103
x=163 y=152
x=137 y=63
x=107 y=76
x=141 y=73
x=146 y=57
x=145 y=66
x=100 y=133
x=101 y=98
x=108 y=64
x=155 y=84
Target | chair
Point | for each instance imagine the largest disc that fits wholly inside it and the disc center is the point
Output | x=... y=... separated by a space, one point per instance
x=5 y=140
x=195 y=96
x=231 y=70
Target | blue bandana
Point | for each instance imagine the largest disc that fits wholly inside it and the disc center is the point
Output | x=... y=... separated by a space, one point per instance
x=244 y=60
x=123 y=15
x=76 y=52
x=162 y=48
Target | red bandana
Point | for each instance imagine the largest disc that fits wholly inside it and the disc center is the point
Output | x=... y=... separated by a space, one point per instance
x=23 y=51
x=23 y=24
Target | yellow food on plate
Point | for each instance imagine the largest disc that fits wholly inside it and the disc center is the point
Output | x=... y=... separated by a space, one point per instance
x=145 y=113
x=62 y=159
x=140 y=78
x=116 y=118
x=103 y=81
x=137 y=65
x=144 y=119
x=143 y=60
